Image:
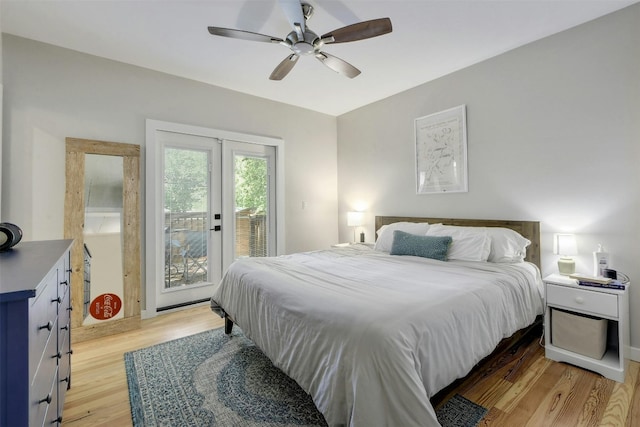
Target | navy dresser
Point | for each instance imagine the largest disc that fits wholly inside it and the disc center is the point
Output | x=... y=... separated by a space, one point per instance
x=35 y=344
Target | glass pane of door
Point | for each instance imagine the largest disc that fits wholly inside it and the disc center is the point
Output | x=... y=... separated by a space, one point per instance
x=251 y=191
x=186 y=213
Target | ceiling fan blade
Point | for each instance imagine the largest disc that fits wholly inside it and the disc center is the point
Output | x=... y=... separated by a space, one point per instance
x=284 y=67
x=359 y=31
x=244 y=35
x=293 y=11
x=338 y=65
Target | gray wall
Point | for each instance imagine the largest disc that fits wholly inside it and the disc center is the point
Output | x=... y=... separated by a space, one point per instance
x=553 y=135
x=52 y=93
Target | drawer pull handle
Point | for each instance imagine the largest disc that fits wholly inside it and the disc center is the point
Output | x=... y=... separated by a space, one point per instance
x=58 y=355
x=64 y=282
x=70 y=308
x=65 y=380
x=70 y=351
x=580 y=300
x=66 y=327
x=57 y=420
x=46 y=399
x=48 y=326
x=58 y=300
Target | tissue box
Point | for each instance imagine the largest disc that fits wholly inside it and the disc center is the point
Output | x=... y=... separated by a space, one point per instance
x=579 y=333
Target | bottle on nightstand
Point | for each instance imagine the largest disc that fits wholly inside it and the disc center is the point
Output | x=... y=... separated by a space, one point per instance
x=600 y=261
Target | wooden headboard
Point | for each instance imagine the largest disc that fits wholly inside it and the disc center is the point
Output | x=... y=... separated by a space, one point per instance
x=528 y=229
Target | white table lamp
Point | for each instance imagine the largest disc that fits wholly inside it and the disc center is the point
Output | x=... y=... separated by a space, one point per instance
x=565 y=246
x=355 y=219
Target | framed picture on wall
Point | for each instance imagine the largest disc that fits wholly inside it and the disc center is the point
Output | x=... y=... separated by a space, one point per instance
x=441 y=152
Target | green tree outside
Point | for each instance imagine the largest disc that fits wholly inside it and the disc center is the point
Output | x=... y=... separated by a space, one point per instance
x=251 y=183
x=186 y=176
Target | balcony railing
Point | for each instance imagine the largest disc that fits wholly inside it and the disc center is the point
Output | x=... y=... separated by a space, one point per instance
x=186 y=244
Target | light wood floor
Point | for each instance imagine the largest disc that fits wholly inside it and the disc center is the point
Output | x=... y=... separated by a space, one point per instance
x=99 y=395
x=520 y=388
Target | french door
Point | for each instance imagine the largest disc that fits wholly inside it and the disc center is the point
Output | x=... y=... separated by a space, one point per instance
x=210 y=201
x=191 y=216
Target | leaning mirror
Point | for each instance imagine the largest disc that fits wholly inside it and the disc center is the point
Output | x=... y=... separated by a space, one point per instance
x=102 y=212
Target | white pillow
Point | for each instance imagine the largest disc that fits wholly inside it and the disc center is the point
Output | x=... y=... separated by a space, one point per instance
x=385 y=233
x=469 y=243
x=507 y=245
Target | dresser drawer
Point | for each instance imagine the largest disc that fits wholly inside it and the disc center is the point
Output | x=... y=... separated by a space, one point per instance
x=63 y=277
x=63 y=286
x=64 y=315
x=64 y=364
x=64 y=346
x=43 y=413
x=42 y=321
x=54 y=413
x=64 y=372
x=43 y=386
x=597 y=303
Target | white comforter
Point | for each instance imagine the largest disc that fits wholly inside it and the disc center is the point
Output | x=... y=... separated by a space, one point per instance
x=370 y=336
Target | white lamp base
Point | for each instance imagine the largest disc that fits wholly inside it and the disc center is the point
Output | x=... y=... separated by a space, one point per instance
x=566 y=266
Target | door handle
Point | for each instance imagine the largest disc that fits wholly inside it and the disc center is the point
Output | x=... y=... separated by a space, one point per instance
x=216 y=228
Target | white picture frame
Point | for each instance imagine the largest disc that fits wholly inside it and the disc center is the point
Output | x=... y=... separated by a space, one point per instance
x=441 y=152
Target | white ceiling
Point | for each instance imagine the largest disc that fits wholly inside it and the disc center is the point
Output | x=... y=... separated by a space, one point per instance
x=430 y=39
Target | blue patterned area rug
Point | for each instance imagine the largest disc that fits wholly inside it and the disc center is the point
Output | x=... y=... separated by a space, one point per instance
x=209 y=379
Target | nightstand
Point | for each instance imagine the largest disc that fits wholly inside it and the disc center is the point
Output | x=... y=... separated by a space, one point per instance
x=564 y=296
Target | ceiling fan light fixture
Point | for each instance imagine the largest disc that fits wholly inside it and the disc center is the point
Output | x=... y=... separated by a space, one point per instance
x=303 y=48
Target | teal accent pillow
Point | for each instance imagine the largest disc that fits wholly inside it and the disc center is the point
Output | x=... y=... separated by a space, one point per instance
x=435 y=247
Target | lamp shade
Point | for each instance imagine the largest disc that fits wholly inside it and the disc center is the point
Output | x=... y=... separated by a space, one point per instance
x=565 y=244
x=355 y=219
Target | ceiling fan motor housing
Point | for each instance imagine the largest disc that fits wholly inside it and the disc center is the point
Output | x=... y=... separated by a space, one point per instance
x=308 y=45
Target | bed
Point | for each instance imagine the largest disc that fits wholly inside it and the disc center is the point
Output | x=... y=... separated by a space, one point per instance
x=372 y=334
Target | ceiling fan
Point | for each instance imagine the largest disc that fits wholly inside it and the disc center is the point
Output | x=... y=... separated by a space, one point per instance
x=303 y=41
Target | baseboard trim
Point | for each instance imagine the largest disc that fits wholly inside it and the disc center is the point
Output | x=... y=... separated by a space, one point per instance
x=148 y=314
x=634 y=354
x=99 y=330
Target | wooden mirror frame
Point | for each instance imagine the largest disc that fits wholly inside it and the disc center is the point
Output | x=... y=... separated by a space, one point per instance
x=74 y=226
